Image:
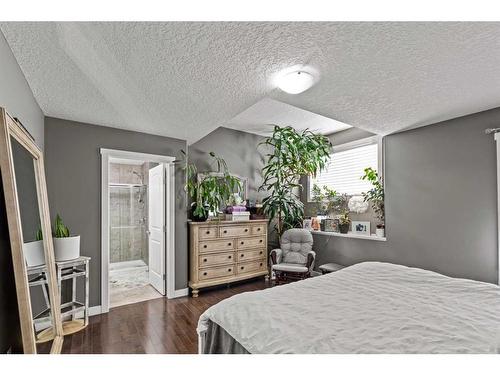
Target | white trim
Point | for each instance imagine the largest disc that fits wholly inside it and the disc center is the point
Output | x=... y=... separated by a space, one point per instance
x=181 y=293
x=95 y=310
x=106 y=154
x=497 y=139
x=371 y=237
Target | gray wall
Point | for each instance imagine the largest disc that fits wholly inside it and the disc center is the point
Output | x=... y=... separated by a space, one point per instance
x=238 y=149
x=17 y=98
x=73 y=166
x=440 y=202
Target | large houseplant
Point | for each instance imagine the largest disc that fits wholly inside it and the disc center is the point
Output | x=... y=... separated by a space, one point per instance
x=209 y=190
x=290 y=155
x=376 y=197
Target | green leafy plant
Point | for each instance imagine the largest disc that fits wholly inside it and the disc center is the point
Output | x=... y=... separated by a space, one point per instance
x=375 y=195
x=60 y=230
x=325 y=198
x=210 y=190
x=344 y=218
x=291 y=155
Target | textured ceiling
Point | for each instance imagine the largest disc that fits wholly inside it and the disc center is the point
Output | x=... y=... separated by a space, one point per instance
x=263 y=115
x=185 y=79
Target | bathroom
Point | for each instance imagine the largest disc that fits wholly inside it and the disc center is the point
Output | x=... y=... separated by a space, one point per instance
x=128 y=232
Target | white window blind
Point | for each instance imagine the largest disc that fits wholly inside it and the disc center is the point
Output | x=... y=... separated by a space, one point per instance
x=345 y=168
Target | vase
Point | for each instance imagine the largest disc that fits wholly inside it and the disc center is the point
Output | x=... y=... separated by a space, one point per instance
x=344 y=228
x=33 y=253
x=66 y=248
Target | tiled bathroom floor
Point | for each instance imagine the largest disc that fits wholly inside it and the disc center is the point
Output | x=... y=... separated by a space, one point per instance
x=129 y=283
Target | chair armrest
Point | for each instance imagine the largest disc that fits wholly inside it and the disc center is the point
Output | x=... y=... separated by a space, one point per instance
x=276 y=255
x=311 y=257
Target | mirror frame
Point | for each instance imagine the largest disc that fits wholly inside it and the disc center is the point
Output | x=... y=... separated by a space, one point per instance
x=11 y=129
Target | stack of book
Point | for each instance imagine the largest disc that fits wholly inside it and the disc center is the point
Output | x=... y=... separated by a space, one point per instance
x=237 y=213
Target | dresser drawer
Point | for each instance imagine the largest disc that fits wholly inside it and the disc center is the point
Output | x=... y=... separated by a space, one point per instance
x=234 y=231
x=216 y=259
x=215 y=272
x=216 y=245
x=249 y=267
x=258 y=229
x=244 y=255
x=207 y=232
x=247 y=243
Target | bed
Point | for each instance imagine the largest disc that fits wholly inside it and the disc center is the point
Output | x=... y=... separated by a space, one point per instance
x=369 y=307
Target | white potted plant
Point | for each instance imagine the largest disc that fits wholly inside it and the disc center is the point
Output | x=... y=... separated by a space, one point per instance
x=33 y=251
x=66 y=247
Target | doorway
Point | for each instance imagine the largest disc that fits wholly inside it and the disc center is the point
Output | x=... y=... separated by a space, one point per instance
x=137 y=227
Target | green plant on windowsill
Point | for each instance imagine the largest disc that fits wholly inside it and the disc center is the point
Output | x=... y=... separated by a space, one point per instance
x=375 y=195
x=210 y=190
x=344 y=222
x=327 y=200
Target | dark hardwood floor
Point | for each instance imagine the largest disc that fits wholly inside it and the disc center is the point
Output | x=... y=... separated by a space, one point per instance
x=155 y=326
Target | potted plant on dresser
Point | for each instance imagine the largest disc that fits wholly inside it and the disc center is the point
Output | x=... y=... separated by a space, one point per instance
x=376 y=197
x=66 y=247
x=210 y=190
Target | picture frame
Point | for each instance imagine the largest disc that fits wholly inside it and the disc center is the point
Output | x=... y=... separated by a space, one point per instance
x=331 y=225
x=361 y=227
x=307 y=224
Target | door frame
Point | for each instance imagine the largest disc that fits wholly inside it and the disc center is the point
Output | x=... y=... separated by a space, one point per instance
x=168 y=161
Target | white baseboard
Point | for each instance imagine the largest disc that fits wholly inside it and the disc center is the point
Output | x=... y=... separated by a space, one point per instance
x=95 y=310
x=181 y=293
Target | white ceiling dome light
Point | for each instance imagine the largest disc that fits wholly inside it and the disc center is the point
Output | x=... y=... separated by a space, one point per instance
x=296 y=82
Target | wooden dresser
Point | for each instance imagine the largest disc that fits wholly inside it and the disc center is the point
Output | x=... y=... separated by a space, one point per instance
x=221 y=252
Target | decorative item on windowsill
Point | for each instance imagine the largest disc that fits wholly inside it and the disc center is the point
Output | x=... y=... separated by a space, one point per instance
x=361 y=227
x=331 y=225
x=66 y=247
x=358 y=204
x=376 y=197
x=307 y=224
x=344 y=222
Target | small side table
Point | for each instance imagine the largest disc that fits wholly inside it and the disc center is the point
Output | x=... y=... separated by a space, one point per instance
x=71 y=269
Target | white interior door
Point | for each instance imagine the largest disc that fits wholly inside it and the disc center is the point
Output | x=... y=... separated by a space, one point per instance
x=156 y=227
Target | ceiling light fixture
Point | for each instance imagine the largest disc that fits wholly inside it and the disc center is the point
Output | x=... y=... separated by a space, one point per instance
x=296 y=82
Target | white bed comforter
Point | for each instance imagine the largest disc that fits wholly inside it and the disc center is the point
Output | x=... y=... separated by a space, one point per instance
x=366 y=308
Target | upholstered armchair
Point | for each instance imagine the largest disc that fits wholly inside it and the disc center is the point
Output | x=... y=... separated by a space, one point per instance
x=294 y=260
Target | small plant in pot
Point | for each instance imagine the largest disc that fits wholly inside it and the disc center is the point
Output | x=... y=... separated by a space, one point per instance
x=344 y=222
x=34 y=254
x=66 y=247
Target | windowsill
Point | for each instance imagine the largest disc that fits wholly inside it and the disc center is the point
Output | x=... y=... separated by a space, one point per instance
x=351 y=235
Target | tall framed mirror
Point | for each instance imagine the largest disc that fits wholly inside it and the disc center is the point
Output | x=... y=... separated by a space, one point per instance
x=28 y=218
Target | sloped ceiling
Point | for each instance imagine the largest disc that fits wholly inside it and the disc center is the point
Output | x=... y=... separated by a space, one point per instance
x=184 y=80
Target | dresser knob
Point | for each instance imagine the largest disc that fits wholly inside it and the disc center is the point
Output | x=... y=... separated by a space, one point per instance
x=229 y=244
x=242 y=268
x=246 y=229
x=229 y=257
x=242 y=243
x=242 y=255
x=229 y=270
x=205 y=259
x=204 y=274
x=208 y=232
x=204 y=246
x=225 y=231
x=260 y=253
x=261 y=264
x=258 y=229
x=260 y=241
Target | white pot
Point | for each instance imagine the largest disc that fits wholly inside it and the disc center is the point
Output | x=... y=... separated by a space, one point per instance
x=33 y=253
x=66 y=248
x=380 y=232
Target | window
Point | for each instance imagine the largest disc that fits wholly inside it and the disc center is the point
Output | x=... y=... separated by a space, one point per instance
x=346 y=166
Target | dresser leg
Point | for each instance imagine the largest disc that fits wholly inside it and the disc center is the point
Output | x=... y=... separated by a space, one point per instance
x=195 y=293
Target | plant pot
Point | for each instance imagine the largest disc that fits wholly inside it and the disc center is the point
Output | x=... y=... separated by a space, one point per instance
x=197 y=218
x=344 y=228
x=66 y=248
x=380 y=232
x=33 y=253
